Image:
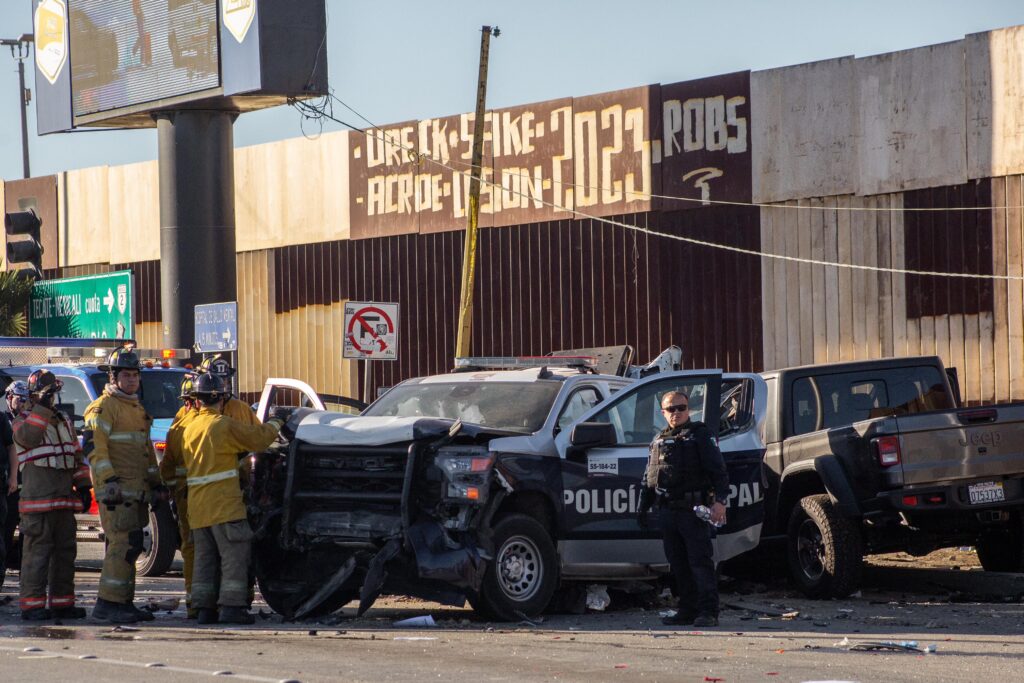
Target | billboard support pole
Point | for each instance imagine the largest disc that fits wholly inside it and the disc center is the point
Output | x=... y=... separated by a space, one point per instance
x=197 y=217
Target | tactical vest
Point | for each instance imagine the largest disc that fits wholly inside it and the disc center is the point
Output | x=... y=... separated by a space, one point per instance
x=679 y=471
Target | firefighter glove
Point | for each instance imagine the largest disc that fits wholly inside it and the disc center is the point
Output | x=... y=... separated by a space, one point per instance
x=85 y=495
x=112 y=494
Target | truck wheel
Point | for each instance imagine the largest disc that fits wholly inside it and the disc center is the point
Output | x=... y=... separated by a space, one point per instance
x=1001 y=549
x=286 y=579
x=825 y=549
x=524 y=573
x=160 y=543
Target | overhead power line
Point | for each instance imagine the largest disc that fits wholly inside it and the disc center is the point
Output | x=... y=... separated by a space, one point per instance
x=380 y=134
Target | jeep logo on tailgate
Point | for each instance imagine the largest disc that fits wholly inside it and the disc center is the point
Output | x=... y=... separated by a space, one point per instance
x=981 y=439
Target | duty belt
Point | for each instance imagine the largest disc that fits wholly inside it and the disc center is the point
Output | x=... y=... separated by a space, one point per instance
x=210 y=478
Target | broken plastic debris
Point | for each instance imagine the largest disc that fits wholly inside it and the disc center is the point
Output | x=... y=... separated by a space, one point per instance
x=414 y=622
x=845 y=642
x=597 y=597
x=165 y=605
x=622 y=666
x=415 y=638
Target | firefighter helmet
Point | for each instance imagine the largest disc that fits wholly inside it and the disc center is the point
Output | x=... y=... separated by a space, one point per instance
x=41 y=379
x=17 y=388
x=123 y=358
x=217 y=365
x=188 y=389
x=209 y=387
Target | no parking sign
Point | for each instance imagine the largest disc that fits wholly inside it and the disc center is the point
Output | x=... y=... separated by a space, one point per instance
x=371 y=330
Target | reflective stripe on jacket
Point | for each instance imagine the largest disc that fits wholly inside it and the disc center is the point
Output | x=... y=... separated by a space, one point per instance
x=211 y=444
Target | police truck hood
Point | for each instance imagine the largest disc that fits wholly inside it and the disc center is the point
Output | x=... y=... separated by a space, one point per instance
x=325 y=428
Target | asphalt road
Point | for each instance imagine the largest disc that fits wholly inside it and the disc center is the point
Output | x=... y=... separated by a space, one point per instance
x=974 y=640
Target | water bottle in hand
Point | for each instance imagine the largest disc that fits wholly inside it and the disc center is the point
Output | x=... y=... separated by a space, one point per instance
x=704 y=512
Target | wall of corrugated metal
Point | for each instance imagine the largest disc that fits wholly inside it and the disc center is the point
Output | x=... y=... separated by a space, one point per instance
x=817 y=314
x=539 y=288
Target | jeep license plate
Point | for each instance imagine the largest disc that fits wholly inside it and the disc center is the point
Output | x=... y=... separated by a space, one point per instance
x=988 y=492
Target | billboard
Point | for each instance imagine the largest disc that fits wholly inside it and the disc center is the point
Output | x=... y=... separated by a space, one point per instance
x=126 y=53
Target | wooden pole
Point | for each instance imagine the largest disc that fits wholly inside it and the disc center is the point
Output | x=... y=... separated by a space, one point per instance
x=465 y=325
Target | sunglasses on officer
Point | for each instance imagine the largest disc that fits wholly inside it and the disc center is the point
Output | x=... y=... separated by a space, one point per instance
x=677 y=408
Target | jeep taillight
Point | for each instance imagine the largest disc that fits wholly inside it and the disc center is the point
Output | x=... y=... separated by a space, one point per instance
x=887 y=448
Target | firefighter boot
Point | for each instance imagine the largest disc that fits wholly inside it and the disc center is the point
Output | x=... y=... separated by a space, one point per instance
x=36 y=614
x=114 y=612
x=141 y=614
x=206 y=616
x=236 y=615
x=69 y=612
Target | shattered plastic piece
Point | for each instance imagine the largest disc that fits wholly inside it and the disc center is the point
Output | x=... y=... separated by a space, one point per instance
x=712 y=679
x=791 y=615
x=165 y=605
x=414 y=638
x=414 y=622
x=667 y=613
x=931 y=649
x=845 y=642
x=597 y=597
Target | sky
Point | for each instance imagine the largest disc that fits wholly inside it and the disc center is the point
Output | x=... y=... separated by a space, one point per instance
x=396 y=60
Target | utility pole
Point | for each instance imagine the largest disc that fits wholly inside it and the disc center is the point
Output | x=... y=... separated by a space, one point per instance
x=19 y=50
x=465 y=331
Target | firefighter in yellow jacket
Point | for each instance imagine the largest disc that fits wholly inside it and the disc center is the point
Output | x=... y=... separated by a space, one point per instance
x=216 y=510
x=55 y=485
x=173 y=473
x=126 y=479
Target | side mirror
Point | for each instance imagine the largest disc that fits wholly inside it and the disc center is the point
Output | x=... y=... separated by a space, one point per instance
x=593 y=434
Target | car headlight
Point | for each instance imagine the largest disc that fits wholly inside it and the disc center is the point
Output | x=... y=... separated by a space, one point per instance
x=467 y=472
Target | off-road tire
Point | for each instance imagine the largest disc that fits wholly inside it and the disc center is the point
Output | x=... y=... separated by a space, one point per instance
x=523 y=576
x=163 y=543
x=825 y=550
x=1001 y=549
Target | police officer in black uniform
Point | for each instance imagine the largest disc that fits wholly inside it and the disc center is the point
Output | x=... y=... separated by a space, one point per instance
x=685 y=469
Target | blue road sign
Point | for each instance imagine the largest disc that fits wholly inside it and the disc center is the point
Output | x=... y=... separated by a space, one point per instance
x=217 y=327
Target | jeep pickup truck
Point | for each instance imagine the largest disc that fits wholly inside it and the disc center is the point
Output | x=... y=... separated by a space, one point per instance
x=496 y=486
x=878 y=456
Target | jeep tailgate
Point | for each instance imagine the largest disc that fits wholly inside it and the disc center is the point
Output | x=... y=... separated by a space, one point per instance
x=968 y=443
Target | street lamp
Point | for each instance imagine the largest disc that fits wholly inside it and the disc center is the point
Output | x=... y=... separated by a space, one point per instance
x=19 y=50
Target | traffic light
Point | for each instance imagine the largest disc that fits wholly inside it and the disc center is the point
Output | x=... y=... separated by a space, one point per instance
x=28 y=251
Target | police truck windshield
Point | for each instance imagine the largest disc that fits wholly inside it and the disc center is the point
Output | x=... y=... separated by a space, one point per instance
x=160 y=390
x=513 y=406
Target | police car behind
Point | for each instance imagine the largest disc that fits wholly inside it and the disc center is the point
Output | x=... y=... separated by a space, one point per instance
x=83 y=383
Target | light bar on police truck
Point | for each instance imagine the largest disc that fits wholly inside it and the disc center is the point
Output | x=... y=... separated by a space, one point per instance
x=91 y=354
x=523 y=362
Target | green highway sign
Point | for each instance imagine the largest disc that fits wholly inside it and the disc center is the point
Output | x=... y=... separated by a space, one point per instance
x=89 y=307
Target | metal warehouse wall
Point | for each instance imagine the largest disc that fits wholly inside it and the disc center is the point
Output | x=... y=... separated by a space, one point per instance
x=540 y=288
x=819 y=314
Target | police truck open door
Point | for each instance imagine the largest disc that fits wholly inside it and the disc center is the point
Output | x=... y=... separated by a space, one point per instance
x=604 y=455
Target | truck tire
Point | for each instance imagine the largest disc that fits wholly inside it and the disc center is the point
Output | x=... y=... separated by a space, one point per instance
x=825 y=549
x=523 y=576
x=160 y=543
x=1001 y=549
x=287 y=579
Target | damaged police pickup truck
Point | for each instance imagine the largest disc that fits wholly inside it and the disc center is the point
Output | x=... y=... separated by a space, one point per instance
x=494 y=486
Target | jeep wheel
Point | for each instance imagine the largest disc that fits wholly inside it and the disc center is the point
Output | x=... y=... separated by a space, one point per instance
x=160 y=543
x=524 y=573
x=1001 y=548
x=825 y=549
